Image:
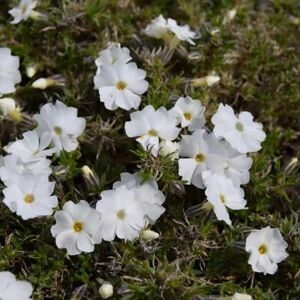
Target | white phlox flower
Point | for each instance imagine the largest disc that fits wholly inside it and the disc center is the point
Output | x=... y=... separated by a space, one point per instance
x=146 y=193
x=9 y=71
x=13 y=168
x=241 y=132
x=13 y=289
x=182 y=32
x=222 y=194
x=7 y=106
x=22 y=11
x=197 y=156
x=113 y=54
x=267 y=248
x=122 y=215
x=158 y=28
x=149 y=125
x=121 y=85
x=30 y=197
x=239 y=296
x=32 y=147
x=63 y=125
x=232 y=163
x=189 y=113
x=77 y=228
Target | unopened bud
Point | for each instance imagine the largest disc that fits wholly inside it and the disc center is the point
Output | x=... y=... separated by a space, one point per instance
x=43 y=83
x=229 y=16
x=238 y=296
x=31 y=70
x=37 y=16
x=90 y=177
x=149 y=235
x=205 y=81
x=170 y=149
x=106 y=290
x=8 y=108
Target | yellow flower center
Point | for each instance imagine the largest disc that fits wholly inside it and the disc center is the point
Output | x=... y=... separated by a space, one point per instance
x=77 y=226
x=200 y=158
x=24 y=8
x=187 y=116
x=121 y=85
x=239 y=126
x=57 y=130
x=152 y=132
x=121 y=214
x=262 y=249
x=222 y=198
x=29 y=198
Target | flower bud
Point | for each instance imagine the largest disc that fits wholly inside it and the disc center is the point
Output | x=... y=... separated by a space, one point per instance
x=149 y=235
x=168 y=148
x=37 y=16
x=229 y=16
x=8 y=108
x=7 y=105
x=238 y=296
x=106 y=290
x=205 y=81
x=31 y=70
x=90 y=177
x=43 y=83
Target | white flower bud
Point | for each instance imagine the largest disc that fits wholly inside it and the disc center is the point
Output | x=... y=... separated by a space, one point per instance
x=238 y=296
x=168 y=148
x=149 y=235
x=31 y=70
x=40 y=83
x=106 y=290
x=229 y=16
x=212 y=79
x=86 y=171
x=43 y=83
x=7 y=105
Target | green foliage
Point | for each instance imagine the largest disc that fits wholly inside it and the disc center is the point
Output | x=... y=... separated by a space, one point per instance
x=257 y=55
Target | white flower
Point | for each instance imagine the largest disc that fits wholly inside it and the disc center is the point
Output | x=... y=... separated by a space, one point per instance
x=183 y=33
x=30 y=197
x=113 y=54
x=121 y=85
x=240 y=132
x=9 y=71
x=122 y=215
x=232 y=164
x=13 y=168
x=198 y=156
x=147 y=194
x=32 y=147
x=238 y=296
x=267 y=248
x=77 y=228
x=222 y=193
x=7 y=106
x=22 y=11
x=169 y=148
x=189 y=113
x=106 y=290
x=13 y=289
x=158 y=28
x=149 y=125
x=63 y=125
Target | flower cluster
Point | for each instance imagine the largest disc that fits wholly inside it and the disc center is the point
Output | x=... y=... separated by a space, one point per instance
x=123 y=212
x=26 y=168
x=119 y=81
